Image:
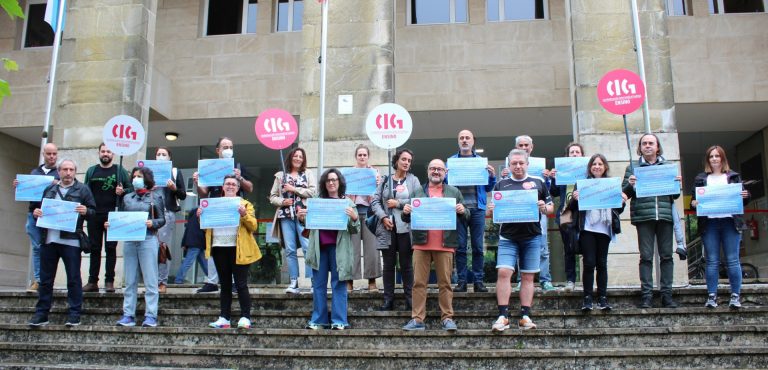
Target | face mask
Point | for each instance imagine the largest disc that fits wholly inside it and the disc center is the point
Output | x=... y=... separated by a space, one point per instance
x=162 y=157
x=227 y=153
x=138 y=183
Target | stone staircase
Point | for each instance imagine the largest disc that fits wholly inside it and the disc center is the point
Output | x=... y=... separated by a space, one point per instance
x=690 y=336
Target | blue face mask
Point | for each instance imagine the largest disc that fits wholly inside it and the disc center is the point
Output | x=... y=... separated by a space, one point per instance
x=138 y=183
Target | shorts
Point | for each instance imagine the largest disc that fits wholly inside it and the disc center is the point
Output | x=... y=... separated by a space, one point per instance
x=525 y=251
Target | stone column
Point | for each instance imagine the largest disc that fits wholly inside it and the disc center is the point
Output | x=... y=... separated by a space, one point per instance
x=360 y=63
x=602 y=40
x=104 y=70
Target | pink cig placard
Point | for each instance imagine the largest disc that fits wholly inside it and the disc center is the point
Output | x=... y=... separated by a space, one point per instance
x=621 y=91
x=276 y=128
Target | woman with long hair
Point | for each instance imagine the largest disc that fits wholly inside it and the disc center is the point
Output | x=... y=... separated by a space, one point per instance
x=289 y=192
x=330 y=251
x=371 y=265
x=567 y=229
x=720 y=232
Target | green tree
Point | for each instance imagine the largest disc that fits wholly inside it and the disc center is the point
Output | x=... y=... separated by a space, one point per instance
x=14 y=10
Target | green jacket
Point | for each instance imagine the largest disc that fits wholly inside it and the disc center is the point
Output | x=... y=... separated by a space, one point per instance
x=648 y=208
x=450 y=237
x=344 y=251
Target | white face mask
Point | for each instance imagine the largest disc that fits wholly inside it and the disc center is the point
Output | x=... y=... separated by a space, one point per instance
x=162 y=157
x=227 y=153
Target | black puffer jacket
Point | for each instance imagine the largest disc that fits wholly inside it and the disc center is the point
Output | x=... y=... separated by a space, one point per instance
x=701 y=180
x=647 y=208
x=77 y=193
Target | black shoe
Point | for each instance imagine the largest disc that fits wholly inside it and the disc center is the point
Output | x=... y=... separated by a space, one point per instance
x=38 y=320
x=646 y=301
x=682 y=253
x=668 y=302
x=480 y=288
x=208 y=288
x=387 y=306
x=587 y=306
x=461 y=287
x=602 y=304
x=72 y=320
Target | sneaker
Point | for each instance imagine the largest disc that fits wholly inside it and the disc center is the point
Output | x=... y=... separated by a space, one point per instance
x=602 y=304
x=681 y=252
x=526 y=323
x=517 y=288
x=587 y=305
x=126 y=321
x=450 y=326
x=208 y=288
x=38 y=320
x=501 y=324
x=313 y=326
x=72 y=320
x=149 y=322
x=293 y=288
x=338 y=327
x=414 y=325
x=220 y=323
x=735 y=303
x=244 y=323
x=547 y=287
x=569 y=286
x=33 y=287
x=480 y=288
x=711 y=301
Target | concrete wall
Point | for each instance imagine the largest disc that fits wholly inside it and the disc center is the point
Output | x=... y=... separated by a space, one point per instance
x=15 y=157
x=719 y=58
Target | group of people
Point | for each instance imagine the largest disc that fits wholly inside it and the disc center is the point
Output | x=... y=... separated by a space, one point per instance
x=522 y=248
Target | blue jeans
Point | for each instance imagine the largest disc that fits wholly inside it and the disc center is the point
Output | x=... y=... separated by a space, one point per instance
x=476 y=225
x=721 y=232
x=193 y=254
x=140 y=255
x=291 y=230
x=49 y=262
x=525 y=252
x=35 y=234
x=320 y=291
x=165 y=234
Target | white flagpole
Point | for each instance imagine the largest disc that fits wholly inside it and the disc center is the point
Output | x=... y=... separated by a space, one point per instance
x=640 y=62
x=323 y=64
x=52 y=76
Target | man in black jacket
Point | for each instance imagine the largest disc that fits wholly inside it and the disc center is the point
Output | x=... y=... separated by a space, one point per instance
x=63 y=245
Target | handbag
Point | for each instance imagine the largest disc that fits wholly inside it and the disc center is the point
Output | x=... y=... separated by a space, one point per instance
x=163 y=252
x=566 y=218
x=371 y=220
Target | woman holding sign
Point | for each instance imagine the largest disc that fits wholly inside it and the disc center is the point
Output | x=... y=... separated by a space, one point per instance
x=596 y=228
x=233 y=250
x=371 y=266
x=289 y=192
x=392 y=233
x=173 y=192
x=721 y=231
x=142 y=255
x=330 y=251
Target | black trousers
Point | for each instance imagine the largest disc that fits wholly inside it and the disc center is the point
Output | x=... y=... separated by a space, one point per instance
x=224 y=259
x=400 y=247
x=96 y=232
x=594 y=249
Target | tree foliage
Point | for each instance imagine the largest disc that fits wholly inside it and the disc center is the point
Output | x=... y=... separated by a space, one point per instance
x=13 y=10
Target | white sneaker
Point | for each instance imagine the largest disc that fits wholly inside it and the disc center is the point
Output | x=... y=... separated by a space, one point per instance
x=293 y=288
x=501 y=324
x=569 y=286
x=244 y=323
x=526 y=323
x=221 y=323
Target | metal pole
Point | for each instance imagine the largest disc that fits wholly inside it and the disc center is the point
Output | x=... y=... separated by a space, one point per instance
x=323 y=64
x=285 y=180
x=629 y=148
x=640 y=62
x=52 y=77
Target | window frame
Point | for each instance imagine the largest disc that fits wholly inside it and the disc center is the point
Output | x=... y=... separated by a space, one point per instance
x=721 y=7
x=670 y=5
x=243 y=19
x=545 y=9
x=26 y=25
x=291 y=6
x=451 y=14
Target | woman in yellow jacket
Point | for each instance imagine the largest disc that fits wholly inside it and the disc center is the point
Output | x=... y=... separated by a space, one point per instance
x=233 y=250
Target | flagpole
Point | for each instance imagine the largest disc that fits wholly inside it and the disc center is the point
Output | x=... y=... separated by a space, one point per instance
x=640 y=61
x=323 y=64
x=52 y=76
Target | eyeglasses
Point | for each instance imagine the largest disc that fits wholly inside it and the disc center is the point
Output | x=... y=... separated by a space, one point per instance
x=436 y=169
x=331 y=180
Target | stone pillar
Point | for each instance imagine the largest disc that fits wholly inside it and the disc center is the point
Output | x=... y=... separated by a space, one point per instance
x=602 y=40
x=360 y=63
x=104 y=70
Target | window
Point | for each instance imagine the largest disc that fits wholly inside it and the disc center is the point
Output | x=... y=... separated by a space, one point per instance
x=515 y=10
x=289 y=15
x=677 y=7
x=437 y=11
x=737 y=6
x=37 y=32
x=226 y=17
